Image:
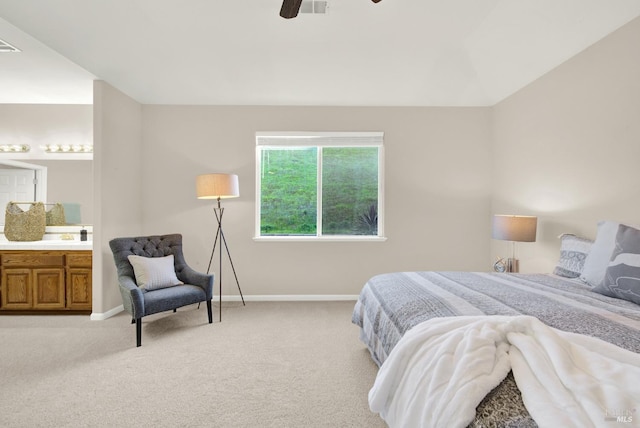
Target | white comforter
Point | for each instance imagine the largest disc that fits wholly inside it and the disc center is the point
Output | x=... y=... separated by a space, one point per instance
x=441 y=369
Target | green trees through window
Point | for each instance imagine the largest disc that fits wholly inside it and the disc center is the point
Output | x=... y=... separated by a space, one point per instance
x=318 y=190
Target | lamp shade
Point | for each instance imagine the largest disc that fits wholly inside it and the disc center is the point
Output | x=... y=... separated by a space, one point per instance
x=515 y=228
x=214 y=186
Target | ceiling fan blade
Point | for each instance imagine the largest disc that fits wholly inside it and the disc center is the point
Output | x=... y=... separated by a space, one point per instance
x=290 y=8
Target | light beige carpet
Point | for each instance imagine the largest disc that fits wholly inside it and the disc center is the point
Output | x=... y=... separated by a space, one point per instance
x=268 y=364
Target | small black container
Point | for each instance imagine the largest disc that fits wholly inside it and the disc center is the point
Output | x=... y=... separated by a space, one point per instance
x=83 y=234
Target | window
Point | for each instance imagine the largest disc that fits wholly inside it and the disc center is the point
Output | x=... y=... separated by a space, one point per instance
x=319 y=185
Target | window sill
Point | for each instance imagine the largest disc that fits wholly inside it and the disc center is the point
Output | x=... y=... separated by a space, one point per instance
x=319 y=238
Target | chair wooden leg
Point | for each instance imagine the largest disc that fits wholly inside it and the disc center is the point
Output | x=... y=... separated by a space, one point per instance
x=138 y=332
x=209 y=311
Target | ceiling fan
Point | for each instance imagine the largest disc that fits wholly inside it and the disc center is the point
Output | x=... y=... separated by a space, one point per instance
x=290 y=8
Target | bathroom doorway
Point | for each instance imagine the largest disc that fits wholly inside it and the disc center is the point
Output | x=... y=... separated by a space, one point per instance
x=21 y=182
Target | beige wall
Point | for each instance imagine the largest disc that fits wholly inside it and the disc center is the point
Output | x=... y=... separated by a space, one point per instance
x=567 y=147
x=564 y=148
x=117 y=186
x=38 y=124
x=437 y=192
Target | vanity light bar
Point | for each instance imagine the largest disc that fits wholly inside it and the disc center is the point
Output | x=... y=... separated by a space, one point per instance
x=68 y=148
x=14 y=148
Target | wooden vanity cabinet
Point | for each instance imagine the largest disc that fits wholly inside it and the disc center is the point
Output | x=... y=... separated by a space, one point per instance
x=78 y=283
x=35 y=280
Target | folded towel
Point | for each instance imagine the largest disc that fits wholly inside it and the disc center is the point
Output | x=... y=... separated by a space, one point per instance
x=72 y=212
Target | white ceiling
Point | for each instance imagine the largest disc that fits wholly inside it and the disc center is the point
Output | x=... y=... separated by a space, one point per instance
x=240 y=52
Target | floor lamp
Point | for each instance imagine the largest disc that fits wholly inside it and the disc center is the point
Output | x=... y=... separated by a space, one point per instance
x=514 y=228
x=219 y=186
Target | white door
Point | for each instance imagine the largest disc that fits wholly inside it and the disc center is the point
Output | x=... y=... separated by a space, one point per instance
x=16 y=185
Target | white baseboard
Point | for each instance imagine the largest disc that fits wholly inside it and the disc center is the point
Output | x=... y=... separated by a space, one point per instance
x=104 y=315
x=251 y=298
x=288 y=297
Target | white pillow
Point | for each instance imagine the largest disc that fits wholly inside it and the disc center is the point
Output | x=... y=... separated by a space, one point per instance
x=597 y=261
x=573 y=253
x=153 y=273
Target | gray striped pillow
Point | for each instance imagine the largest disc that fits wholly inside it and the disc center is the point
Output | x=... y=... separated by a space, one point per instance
x=153 y=273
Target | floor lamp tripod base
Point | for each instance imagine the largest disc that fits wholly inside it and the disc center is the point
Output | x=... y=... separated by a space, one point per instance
x=219 y=211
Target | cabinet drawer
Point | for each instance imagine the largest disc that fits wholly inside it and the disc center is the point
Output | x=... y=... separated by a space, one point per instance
x=29 y=260
x=79 y=260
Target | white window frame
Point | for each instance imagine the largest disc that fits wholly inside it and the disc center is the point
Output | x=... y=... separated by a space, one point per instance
x=322 y=139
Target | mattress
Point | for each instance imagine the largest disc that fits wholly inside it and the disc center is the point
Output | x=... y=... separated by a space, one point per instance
x=390 y=304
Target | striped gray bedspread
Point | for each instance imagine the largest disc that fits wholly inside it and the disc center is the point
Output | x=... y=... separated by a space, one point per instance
x=390 y=304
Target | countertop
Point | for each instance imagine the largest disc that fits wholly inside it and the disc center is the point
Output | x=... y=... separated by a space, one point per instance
x=44 y=245
x=52 y=240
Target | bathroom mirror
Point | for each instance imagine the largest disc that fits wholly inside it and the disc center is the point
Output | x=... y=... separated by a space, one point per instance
x=51 y=181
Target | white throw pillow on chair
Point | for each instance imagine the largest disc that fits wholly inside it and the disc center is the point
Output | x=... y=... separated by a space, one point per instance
x=153 y=273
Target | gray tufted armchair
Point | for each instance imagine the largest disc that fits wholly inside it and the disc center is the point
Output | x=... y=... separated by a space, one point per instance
x=197 y=287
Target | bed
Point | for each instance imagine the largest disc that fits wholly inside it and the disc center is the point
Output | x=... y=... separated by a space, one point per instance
x=391 y=304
